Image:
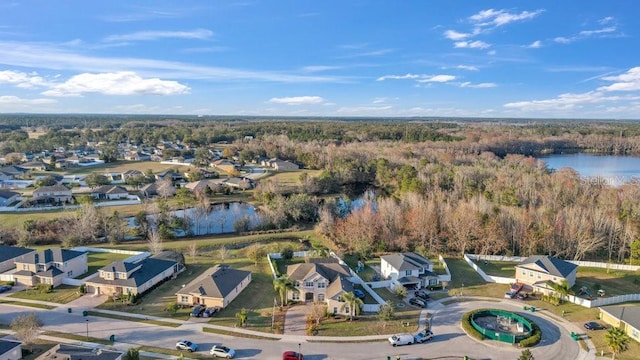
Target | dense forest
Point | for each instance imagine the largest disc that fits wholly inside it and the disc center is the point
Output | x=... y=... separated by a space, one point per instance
x=445 y=185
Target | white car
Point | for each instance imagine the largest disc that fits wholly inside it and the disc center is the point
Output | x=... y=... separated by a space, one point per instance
x=222 y=351
x=401 y=339
x=186 y=345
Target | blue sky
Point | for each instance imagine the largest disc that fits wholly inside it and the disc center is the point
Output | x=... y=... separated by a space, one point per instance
x=569 y=59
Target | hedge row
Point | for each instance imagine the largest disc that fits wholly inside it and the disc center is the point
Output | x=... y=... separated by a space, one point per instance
x=468 y=328
x=536 y=335
x=534 y=339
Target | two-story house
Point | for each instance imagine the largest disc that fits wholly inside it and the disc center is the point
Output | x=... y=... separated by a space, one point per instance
x=320 y=280
x=52 y=194
x=123 y=278
x=408 y=269
x=9 y=255
x=50 y=266
x=538 y=270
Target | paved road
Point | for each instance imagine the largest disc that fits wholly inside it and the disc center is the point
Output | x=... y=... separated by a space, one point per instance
x=450 y=341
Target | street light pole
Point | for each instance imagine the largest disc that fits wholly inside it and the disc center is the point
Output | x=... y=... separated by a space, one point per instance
x=87 y=329
x=299 y=355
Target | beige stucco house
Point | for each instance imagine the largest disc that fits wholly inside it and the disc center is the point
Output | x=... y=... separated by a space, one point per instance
x=52 y=194
x=123 y=278
x=321 y=280
x=50 y=266
x=625 y=317
x=77 y=352
x=9 y=255
x=536 y=271
x=217 y=286
x=10 y=350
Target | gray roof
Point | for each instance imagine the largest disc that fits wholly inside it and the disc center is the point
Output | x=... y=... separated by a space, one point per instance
x=57 y=188
x=406 y=261
x=120 y=266
x=338 y=287
x=552 y=265
x=7 y=345
x=11 y=252
x=75 y=352
x=13 y=170
x=629 y=314
x=150 y=268
x=109 y=189
x=329 y=271
x=5 y=194
x=216 y=282
x=49 y=255
x=409 y=280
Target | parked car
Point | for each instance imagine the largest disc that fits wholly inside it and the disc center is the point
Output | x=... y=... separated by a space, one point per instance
x=358 y=293
x=292 y=355
x=418 y=302
x=422 y=336
x=208 y=312
x=522 y=296
x=5 y=288
x=401 y=339
x=422 y=294
x=222 y=351
x=198 y=310
x=509 y=295
x=186 y=345
x=592 y=325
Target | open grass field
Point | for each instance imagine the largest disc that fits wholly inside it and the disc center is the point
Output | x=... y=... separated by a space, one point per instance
x=466 y=281
x=438 y=267
x=98 y=260
x=62 y=294
x=290 y=179
x=613 y=282
x=497 y=268
x=122 y=166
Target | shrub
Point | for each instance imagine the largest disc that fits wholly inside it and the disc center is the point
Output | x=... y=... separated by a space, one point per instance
x=287 y=253
x=434 y=287
x=468 y=328
x=82 y=289
x=400 y=291
x=536 y=335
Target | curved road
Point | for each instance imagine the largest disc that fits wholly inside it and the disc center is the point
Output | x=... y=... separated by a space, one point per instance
x=449 y=342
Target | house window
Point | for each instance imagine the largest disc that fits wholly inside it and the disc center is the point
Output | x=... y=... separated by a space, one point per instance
x=346 y=310
x=554 y=278
x=539 y=276
x=308 y=284
x=407 y=273
x=530 y=273
x=107 y=276
x=335 y=310
x=184 y=299
x=70 y=274
x=25 y=266
x=321 y=285
x=320 y=297
x=524 y=272
x=295 y=296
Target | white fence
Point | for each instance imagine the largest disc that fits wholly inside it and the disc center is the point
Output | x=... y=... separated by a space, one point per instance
x=72 y=282
x=380 y=284
x=447 y=277
x=603 y=301
x=488 y=278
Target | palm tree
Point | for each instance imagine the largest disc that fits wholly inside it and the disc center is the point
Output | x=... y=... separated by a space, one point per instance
x=282 y=285
x=562 y=290
x=353 y=303
x=617 y=340
x=241 y=316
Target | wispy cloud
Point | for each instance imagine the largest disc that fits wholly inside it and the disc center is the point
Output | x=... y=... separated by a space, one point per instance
x=21 y=79
x=142 y=14
x=606 y=20
x=587 y=33
x=601 y=31
x=535 y=45
x=370 y=53
x=454 y=35
x=421 y=78
x=437 y=78
x=471 y=44
x=297 y=100
x=120 y=83
x=497 y=18
x=467 y=67
x=14 y=100
x=400 y=77
x=198 y=34
x=478 y=86
x=628 y=81
x=319 y=68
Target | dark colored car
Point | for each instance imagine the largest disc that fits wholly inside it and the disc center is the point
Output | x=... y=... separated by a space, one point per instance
x=522 y=296
x=358 y=293
x=197 y=311
x=592 y=325
x=210 y=311
x=292 y=355
x=422 y=295
x=5 y=288
x=418 y=302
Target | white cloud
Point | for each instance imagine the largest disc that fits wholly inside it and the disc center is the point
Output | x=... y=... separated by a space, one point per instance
x=629 y=81
x=14 y=100
x=381 y=100
x=364 y=110
x=535 y=45
x=563 y=40
x=496 y=18
x=297 y=100
x=454 y=35
x=318 y=68
x=199 y=34
x=399 y=77
x=471 y=45
x=437 y=78
x=21 y=79
x=606 y=30
x=467 y=67
x=606 y=20
x=118 y=83
x=478 y=86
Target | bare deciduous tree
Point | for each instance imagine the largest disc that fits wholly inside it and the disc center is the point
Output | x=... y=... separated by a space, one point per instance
x=26 y=327
x=223 y=252
x=192 y=250
x=155 y=242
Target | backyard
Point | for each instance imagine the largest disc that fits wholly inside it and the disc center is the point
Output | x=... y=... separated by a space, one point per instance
x=497 y=268
x=613 y=282
x=97 y=260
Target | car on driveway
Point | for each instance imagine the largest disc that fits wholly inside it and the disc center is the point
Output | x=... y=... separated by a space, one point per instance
x=5 y=288
x=222 y=351
x=422 y=336
x=210 y=311
x=522 y=296
x=422 y=295
x=358 y=293
x=292 y=355
x=418 y=302
x=186 y=345
x=592 y=325
x=197 y=311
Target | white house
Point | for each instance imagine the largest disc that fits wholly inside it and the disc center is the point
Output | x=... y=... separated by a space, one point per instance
x=408 y=269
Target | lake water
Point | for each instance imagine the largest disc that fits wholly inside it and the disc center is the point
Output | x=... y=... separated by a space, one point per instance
x=603 y=169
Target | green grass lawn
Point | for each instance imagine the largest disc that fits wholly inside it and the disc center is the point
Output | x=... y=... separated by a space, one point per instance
x=97 y=260
x=497 y=268
x=62 y=294
x=367 y=273
x=466 y=281
x=613 y=282
x=438 y=267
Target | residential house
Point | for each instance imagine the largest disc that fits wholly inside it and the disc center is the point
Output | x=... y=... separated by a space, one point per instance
x=225 y=165
x=14 y=158
x=169 y=174
x=109 y=192
x=34 y=165
x=241 y=183
x=323 y=280
x=50 y=266
x=10 y=350
x=149 y=190
x=122 y=277
x=77 y=352
x=52 y=194
x=12 y=172
x=198 y=186
x=625 y=317
x=408 y=269
x=537 y=270
x=217 y=286
x=8 y=197
x=132 y=174
x=137 y=156
x=9 y=255
x=283 y=165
